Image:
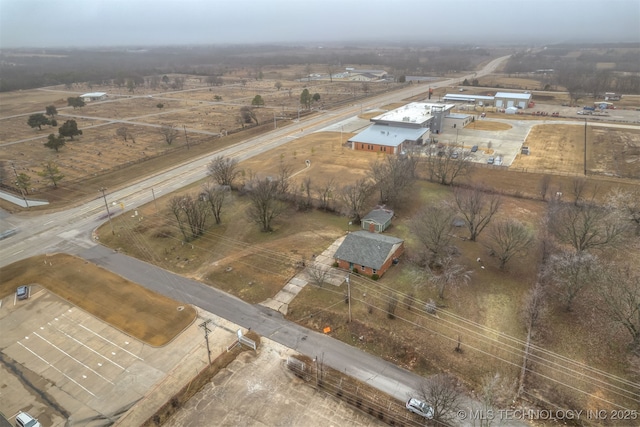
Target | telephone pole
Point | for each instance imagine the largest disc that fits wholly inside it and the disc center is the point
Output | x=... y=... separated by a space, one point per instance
x=203 y=325
x=106 y=205
x=349 y=295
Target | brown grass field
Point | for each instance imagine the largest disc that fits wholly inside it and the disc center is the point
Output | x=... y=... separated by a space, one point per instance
x=134 y=310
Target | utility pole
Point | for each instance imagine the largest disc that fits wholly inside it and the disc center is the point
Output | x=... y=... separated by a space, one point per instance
x=349 y=295
x=203 y=325
x=275 y=124
x=26 y=203
x=585 y=146
x=106 y=205
x=185 y=136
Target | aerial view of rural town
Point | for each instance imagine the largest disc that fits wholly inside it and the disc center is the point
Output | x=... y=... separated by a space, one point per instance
x=305 y=213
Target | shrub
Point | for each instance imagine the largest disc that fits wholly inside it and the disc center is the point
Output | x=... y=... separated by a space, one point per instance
x=375 y=276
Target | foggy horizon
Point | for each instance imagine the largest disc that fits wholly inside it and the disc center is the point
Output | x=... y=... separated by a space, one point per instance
x=120 y=23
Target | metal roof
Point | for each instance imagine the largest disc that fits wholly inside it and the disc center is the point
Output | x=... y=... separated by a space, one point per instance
x=513 y=95
x=390 y=136
x=93 y=95
x=457 y=116
x=368 y=249
x=469 y=97
x=414 y=113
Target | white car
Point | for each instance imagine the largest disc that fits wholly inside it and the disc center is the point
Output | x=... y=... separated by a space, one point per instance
x=419 y=407
x=25 y=420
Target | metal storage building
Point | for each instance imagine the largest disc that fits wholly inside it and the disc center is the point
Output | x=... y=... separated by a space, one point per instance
x=507 y=99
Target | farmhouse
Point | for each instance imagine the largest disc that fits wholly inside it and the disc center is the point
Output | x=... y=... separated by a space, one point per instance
x=378 y=220
x=93 y=96
x=368 y=253
x=411 y=123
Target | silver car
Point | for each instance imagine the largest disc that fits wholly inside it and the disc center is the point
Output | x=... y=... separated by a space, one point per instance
x=419 y=407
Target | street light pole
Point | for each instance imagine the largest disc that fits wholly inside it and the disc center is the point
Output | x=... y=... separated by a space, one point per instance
x=275 y=126
x=106 y=205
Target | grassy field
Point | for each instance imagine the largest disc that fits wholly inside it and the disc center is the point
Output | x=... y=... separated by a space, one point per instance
x=134 y=310
x=236 y=257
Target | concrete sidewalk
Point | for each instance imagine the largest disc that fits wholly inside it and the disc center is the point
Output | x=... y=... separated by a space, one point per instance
x=322 y=265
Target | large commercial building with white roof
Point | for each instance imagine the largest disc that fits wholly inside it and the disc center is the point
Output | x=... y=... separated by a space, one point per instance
x=412 y=123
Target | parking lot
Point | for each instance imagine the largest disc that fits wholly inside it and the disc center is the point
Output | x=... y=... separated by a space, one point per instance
x=59 y=362
x=66 y=367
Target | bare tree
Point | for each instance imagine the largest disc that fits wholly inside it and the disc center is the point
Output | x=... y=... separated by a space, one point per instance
x=318 y=274
x=176 y=205
x=196 y=212
x=393 y=177
x=477 y=208
x=306 y=199
x=354 y=198
x=585 y=227
x=626 y=204
x=534 y=309
x=392 y=305
x=571 y=272
x=169 y=132
x=579 y=185
x=123 y=133
x=264 y=205
x=508 y=239
x=215 y=194
x=496 y=391
x=325 y=194
x=620 y=293
x=248 y=115
x=284 y=173
x=441 y=392
x=545 y=182
x=445 y=165
x=223 y=170
x=431 y=227
x=450 y=275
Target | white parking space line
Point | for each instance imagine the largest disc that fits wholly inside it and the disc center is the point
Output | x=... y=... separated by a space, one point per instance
x=16 y=253
x=56 y=369
x=72 y=358
x=86 y=346
x=110 y=342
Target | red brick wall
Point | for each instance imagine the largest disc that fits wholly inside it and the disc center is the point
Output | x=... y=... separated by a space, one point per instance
x=362 y=146
x=369 y=271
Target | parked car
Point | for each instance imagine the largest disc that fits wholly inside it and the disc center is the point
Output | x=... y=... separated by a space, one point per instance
x=25 y=420
x=454 y=155
x=498 y=161
x=474 y=148
x=419 y=407
x=490 y=160
x=22 y=292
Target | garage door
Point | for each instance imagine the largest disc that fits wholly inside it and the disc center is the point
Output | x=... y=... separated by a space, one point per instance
x=499 y=103
x=509 y=104
x=522 y=104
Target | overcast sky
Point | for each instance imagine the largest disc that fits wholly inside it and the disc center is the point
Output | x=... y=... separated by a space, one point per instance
x=62 y=23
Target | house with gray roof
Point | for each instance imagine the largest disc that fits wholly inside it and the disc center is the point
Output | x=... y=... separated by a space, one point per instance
x=378 y=220
x=368 y=253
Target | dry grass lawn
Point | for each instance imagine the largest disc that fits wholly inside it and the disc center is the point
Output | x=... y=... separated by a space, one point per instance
x=129 y=307
x=488 y=125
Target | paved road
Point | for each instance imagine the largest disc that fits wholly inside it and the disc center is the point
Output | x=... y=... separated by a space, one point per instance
x=70 y=231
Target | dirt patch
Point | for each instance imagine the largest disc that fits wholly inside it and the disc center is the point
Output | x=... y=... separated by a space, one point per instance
x=488 y=125
x=559 y=149
x=127 y=306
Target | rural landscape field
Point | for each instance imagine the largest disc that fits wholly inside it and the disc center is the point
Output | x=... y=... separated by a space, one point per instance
x=158 y=189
